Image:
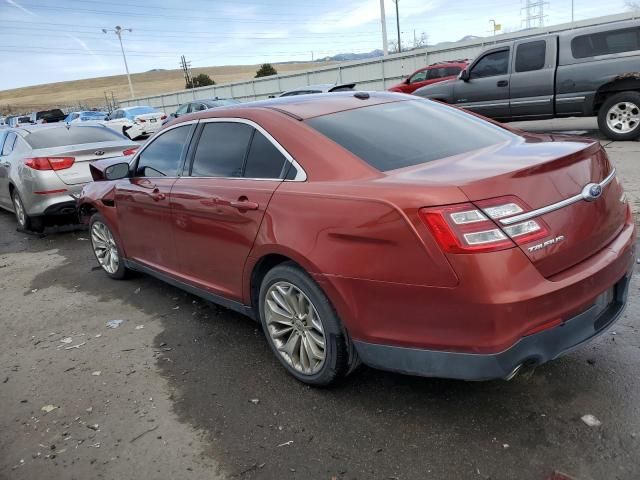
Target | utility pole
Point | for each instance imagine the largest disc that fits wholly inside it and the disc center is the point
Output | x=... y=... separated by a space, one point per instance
x=383 y=20
x=571 y=11
x=186 y=68
x=118 y=31
x=398 y=26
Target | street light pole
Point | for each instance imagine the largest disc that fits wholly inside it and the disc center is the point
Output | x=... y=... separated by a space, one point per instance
x=118 y=31
x=383 y=20
x=398 y=26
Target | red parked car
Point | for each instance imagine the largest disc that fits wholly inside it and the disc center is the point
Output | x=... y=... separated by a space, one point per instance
x=434 y=73
x=356 y=231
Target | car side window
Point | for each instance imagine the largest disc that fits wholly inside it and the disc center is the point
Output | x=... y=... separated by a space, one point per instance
x=264 y=159
x=530 y=56
x=419 y=77
x=221 y=150
x=163 y=157
x=200 y=107
x=9 y=142
x=183 y=109
x=492 y=64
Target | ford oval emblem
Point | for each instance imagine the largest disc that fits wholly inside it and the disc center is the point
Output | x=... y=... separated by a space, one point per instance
x=592 y=192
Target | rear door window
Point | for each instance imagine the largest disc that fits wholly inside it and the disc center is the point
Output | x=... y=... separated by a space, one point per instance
x=9 y=142
x=221 y=150
x=395 y=135
x=531 y=56
x=264 y=159
x=163 y=157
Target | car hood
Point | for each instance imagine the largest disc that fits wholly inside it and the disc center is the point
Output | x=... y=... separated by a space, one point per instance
x=444 y=86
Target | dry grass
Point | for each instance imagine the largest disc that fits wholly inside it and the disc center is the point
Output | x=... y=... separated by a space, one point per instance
x=90 y=92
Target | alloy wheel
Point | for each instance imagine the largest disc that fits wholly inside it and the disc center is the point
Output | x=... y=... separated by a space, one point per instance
x=295 y=327
x=104 y=247
x=19 y=209
x=623 y=117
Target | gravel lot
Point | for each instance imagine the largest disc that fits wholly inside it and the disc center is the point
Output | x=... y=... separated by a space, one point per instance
x=189 y=390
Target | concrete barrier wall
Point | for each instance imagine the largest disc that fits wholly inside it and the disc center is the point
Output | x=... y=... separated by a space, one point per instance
x=372 y=74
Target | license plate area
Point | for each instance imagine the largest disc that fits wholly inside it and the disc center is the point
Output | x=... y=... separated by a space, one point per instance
x=153 y=120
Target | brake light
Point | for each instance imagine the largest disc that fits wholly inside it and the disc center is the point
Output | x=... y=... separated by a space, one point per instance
x=163 y=117
x=463 y=228
x=49 y=163
x=141 y=120
x=504 y=207
x=130 y=151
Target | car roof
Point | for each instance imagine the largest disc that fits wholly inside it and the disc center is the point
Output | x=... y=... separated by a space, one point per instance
x=303 y=107
x=137 y=106
x=323 y=87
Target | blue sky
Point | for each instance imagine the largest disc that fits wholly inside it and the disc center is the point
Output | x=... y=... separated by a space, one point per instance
x=43 y=41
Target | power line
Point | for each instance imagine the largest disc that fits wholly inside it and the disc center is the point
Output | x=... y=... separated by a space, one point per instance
x=534 y=13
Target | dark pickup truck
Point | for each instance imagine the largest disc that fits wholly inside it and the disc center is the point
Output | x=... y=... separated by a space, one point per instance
x=581 y=72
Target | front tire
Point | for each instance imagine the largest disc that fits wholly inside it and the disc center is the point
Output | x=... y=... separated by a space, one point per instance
x=302 y=328
x=619 y=116
x=106 y=249
x=25 y=222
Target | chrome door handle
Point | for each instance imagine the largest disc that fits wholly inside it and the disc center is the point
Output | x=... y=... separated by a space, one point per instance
x=157 y=195
x=244 y=204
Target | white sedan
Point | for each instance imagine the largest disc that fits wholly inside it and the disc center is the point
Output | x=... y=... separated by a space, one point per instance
x=135 y=122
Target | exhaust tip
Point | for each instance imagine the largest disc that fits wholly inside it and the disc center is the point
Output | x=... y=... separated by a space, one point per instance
x=513 y=373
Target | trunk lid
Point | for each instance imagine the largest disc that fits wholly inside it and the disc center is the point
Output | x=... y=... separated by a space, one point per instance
x=152 y=118
x=541 y=170
x=79 y=172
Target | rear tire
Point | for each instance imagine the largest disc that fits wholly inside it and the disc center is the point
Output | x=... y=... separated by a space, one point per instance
x=302 y=328
x=619 y=116
x=25 y=222
x=106 y=249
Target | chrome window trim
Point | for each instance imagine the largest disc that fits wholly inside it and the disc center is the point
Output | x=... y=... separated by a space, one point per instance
x=554 y=206
x=301 y=175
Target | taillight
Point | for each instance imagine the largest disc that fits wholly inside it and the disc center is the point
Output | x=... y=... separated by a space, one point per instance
x=504 y=207
x=49 y=163
x=463 y=228
x=141 y=120
x=467 y=228
x=130 y=151
x=163 y=117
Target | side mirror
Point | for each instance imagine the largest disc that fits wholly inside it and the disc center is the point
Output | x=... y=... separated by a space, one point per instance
x=116 y=171
x=174 y=115
x=407 y=80
x=464 y=75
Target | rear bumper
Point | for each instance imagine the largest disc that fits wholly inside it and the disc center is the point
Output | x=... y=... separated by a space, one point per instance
x=533 y=349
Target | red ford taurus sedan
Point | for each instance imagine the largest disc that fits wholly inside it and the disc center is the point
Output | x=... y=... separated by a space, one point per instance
x=377 y=228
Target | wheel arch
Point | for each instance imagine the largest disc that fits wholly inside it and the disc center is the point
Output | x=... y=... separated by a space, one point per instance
x=621 y=83
x=258 y=266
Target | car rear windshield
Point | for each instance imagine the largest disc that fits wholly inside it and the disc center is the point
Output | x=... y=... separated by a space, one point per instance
x=56 y=112
x=141 y=110
x=58 y=137
x=400 y=134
